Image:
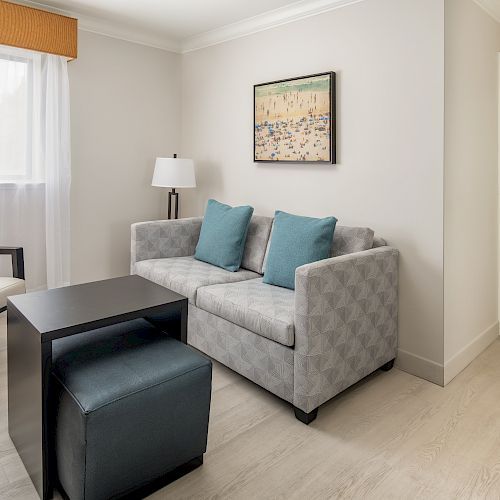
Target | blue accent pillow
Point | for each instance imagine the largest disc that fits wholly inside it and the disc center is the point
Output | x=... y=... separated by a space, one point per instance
x=296 y=241
x=223 y=235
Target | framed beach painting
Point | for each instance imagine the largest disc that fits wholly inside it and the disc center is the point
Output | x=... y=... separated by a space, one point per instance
x=294 y=120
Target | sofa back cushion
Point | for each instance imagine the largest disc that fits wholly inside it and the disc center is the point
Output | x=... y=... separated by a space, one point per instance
x=351 y=239
x=259 y=230
x=346 y=239
x=378 y=242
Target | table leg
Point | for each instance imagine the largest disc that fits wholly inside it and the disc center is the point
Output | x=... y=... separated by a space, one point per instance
x=173 y=320
x=28 y=372
x=183 y=322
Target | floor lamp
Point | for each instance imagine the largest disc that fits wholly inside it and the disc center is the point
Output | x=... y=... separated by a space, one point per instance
x=174 y=173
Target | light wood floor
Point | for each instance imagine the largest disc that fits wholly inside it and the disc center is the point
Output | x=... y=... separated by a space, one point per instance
x=391 y=436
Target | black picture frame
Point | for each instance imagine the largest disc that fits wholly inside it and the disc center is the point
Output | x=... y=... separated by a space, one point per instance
x=333 y=120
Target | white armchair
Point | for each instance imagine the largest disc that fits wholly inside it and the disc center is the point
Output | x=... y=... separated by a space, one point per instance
x=12 y=285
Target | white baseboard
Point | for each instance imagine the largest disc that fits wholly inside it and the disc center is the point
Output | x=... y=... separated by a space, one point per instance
x=36 y=289
x=465 y=356
x=420 y=367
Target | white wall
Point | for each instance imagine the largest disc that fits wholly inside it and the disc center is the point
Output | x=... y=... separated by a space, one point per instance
x=472 y=41
x=125 y=111
x=418 y=167
x=388 y=55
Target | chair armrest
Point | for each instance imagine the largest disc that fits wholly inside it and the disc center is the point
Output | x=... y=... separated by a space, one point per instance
x=17 y=256
x=346 y=322
x=164 y=238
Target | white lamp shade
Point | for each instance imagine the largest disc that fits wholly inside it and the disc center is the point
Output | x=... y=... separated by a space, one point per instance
x=174 y=173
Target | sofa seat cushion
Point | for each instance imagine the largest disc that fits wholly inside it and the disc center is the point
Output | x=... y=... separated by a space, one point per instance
x=185 y=275
x=266 y=310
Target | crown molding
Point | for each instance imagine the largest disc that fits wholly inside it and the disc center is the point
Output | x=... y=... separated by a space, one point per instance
x=131 y=35
x=487 y=7
x=261 y=22
x=267 y=20
x=128 y=34
x=112 y=30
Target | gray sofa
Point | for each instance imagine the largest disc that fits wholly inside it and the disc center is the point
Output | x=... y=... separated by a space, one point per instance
x=339 y=325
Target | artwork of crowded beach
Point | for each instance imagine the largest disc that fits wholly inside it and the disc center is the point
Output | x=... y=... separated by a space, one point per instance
x=294 y=119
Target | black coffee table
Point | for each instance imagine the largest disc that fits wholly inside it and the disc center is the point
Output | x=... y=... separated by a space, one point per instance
x=36 y=319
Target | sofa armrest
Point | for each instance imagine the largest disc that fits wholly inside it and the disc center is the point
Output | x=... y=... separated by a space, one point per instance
x=164 y=238
x=17 y=256
x=346 y=322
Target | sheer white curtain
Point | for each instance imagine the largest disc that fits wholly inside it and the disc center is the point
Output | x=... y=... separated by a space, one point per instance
x=35 y=163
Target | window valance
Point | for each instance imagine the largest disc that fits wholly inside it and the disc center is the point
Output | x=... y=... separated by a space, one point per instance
x=34 y=29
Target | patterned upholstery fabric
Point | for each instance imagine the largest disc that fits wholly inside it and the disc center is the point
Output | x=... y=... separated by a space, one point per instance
x=351 y=239
x=266 y=253
x=346 y=322
x=164 y=238
x=185 y=275
x=345 y=311
x=261 y=360
x=263 y=309
x=345 y=240
x=378 y=242
x=255 y=247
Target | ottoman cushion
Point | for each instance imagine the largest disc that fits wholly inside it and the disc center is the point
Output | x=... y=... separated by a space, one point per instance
x=132 y=405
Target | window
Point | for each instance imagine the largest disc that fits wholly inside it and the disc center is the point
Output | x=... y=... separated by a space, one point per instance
x=15 y=117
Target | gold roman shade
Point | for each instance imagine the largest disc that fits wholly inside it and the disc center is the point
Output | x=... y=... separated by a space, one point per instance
x=35 y=29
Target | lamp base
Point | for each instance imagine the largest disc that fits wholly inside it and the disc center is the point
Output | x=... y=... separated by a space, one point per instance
x=173 y=194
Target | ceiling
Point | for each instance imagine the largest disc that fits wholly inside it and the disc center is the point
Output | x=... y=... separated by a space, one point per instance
x=185 y=25
x=491 y=6
x=173 y=18
x=173 y=23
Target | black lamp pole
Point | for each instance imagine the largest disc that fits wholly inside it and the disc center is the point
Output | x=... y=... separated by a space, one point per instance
x=173 y=194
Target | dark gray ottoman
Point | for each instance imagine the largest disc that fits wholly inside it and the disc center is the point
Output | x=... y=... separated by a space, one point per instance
x=132 y=404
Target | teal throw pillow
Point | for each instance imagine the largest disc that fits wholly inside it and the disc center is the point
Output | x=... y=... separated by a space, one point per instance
x=296 y=241
x=223 y=235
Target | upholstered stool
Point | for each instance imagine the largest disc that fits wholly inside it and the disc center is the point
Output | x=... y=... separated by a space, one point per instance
x=132 y=404
x=12 y=285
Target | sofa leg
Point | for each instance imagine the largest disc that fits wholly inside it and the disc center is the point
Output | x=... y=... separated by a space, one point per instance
x=305 y=418
x=387 y=366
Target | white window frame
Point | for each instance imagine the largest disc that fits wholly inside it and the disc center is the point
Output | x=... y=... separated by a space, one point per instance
x=10 y=53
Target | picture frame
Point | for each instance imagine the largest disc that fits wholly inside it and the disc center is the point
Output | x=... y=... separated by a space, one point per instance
x=295 y=120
